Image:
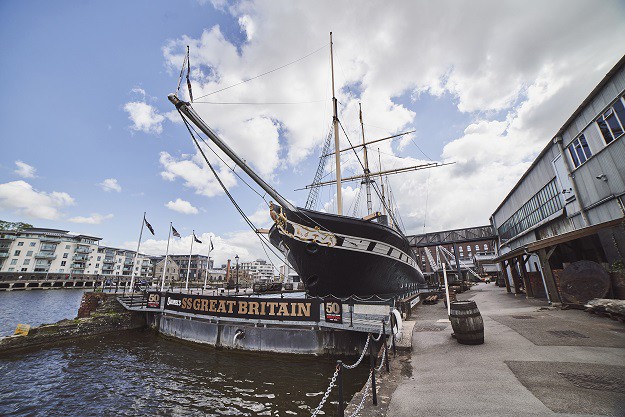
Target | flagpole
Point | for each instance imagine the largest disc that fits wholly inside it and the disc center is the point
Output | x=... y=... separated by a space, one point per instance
x=208 y=266
x=166 y=254
x=186 y=287
x=132 y=276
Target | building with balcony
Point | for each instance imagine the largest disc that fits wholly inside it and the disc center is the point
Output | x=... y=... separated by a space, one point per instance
x=258 y=271
x=46 y=250
x=198 y=268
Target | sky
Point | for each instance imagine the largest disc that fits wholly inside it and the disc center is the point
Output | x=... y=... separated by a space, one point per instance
x=89 y=141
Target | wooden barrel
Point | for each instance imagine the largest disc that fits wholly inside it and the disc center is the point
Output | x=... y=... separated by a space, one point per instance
x=467 y=323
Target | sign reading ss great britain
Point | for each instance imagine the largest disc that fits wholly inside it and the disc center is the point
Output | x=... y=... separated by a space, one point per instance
x=245 y=308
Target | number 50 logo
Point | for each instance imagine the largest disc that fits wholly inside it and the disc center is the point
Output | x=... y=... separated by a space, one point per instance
x=154 y=300
x=334 y=311
x=333 y=308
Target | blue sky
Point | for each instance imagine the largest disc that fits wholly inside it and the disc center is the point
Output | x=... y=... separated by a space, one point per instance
x=470 y=79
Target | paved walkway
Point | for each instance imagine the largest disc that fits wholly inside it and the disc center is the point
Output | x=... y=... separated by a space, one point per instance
x=536 y=361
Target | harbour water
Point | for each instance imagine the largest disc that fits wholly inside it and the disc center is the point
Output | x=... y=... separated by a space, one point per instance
x=140 y=373
x=37 y=307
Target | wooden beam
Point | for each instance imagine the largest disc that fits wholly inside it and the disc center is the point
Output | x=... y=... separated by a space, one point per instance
x=369 y=143
x=550 y=282
x=529 y=292
x=505 y=276
x=372 y=216
x=516 y=280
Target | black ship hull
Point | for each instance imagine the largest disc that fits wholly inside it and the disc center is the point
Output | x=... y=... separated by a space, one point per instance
x=343 y=256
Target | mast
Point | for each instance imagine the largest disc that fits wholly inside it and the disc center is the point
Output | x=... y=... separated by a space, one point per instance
x=367 y=177
x=337 y=155
x=382 y=184
x=197 y=121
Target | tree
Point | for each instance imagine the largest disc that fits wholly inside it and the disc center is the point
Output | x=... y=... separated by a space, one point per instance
x=14 y=226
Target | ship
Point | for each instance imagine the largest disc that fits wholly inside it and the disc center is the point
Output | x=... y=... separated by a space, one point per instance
x=335 y=255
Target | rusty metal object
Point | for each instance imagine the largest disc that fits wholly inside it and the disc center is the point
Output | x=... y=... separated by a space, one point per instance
x=582 y=281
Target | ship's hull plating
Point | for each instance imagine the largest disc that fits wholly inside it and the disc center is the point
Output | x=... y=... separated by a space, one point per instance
x=343 y=256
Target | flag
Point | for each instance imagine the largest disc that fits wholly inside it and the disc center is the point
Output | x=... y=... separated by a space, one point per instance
x=196 y=239
x=149 y=226
x=175 y=232
x=212 y=247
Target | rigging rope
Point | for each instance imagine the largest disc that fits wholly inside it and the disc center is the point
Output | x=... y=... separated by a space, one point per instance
x=257 y=103
x=363 y=168
x=265 y=73
x=232 y=200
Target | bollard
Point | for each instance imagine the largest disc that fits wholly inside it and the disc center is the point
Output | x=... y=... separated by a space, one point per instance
x=341 y=410
x=388 y=368
x=372 y=358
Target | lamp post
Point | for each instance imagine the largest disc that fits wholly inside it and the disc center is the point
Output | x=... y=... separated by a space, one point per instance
x=236 y=286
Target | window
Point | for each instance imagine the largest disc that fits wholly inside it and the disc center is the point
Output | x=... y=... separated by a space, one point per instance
x=17 y=253
x=61 y=270
x=63 y=263
x=579 y=151
x=67 y=246
x=32 y=244
x=26 y=262
x=29 y=253
x=611 y=122
x=485 y=247
x=477 y=248
x=24 y=270
x=20 y=243
x=97 y=265
x=99 y=257
x=65 y=255
x=543 y=204
x=469 y=249
x=13 y=261
x=11 y=269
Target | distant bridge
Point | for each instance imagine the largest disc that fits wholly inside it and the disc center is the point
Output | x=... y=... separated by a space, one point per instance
x=449 y=237
x=10 y=281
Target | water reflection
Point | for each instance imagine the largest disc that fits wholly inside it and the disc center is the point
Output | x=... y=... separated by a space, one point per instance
x=37 y=307
x=140 y=373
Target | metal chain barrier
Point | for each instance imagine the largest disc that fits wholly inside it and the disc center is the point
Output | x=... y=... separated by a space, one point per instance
x=327 y=393
x=382 y=360
x=364 y=396
x=377 y=339
x=362 y=355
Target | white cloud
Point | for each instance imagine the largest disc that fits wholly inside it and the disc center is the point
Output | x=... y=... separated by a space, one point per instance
x=195 y=173
x=181 y=206
x=144 y=117
x=22 y=198
x=95 y=218
x=24 y=170
x=247 y=26
x=110 y=184
x=517 y=87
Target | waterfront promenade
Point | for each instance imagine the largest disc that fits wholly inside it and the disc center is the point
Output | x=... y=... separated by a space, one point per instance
x=536 y=361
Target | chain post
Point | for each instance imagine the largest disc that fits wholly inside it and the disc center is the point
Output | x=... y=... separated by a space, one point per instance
x=341 y=410
x=393 y=334
x=388 y=368
x=372 y=358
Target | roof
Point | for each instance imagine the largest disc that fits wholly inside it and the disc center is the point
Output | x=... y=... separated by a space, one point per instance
x=44 y=230
x=566 y=124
